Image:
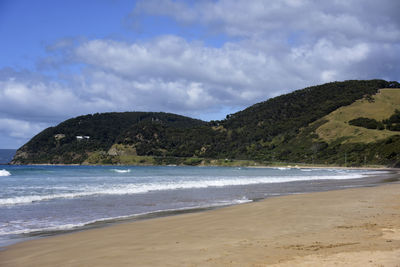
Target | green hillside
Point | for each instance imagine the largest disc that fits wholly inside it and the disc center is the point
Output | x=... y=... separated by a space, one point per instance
x=379 y=107
x=62 y=144
x=306 y=126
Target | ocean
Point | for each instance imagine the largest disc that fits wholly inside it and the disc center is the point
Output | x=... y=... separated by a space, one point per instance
x=37 y=201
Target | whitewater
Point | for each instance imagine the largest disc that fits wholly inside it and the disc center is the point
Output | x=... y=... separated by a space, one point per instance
x=4 y=173
x=38 y=200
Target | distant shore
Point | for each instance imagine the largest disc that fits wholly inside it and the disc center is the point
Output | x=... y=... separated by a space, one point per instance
x=289 y=166
x=353 y=227
x=235 y=163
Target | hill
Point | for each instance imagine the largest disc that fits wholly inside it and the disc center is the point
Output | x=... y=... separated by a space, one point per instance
x=74 y=140
x=379 y=107
x=326 y=124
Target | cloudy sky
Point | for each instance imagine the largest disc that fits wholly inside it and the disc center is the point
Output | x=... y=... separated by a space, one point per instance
x=204 y=59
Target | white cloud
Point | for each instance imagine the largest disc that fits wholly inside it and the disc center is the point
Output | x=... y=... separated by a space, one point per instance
x=351 y=19
x=235 y=74
x=272 y=47
x=20 y=129
x=41 y=101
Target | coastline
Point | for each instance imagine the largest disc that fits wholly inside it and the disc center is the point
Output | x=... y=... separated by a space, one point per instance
x=277 y=165
x=323 y=226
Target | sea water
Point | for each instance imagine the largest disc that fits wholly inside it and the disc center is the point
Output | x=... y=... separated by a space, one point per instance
x=37 y=201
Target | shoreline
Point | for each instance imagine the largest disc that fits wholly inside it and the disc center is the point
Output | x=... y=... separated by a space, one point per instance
x=286 y=165
x=386 y=176
x=245 y=218
x=109 y=222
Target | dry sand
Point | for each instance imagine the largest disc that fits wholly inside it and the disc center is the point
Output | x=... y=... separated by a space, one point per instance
x=353 y=227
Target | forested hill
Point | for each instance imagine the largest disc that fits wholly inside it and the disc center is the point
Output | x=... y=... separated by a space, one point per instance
x=291 y=128
x=73 y=140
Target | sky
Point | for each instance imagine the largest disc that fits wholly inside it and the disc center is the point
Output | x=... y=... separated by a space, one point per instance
x=203 y=59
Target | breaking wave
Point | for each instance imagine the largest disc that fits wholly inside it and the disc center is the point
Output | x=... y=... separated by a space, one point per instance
x=138 y=188
x=121 y=171
x=4 y=173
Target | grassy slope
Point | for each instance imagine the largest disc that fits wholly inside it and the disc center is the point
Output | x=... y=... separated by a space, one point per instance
x=386 y=101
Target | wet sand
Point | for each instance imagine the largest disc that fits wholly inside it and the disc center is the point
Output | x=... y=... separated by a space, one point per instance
x=352 y=227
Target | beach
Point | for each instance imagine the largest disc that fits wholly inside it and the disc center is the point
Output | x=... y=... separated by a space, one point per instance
x=37 y=201
x=352 y=227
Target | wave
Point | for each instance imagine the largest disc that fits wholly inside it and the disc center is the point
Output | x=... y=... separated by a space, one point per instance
x=138 y=188
x=74 y=226
x=121 y=171
x=37 y=198
x=4 y=173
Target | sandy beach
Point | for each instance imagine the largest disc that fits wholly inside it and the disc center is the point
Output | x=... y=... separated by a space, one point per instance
x=352 y=227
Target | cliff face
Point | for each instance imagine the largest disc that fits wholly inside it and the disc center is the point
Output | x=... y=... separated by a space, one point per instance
x=319 y=124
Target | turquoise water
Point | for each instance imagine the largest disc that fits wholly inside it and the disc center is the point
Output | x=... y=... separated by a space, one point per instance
x=38 y=200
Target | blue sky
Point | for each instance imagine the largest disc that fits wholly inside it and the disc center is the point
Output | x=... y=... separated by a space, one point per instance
x=30 y=26
x=203 y=58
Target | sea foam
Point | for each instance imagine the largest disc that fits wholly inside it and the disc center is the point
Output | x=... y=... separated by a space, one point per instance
x=72 y=226
x=4 y=173
x=139 y=188
x=121 y=171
